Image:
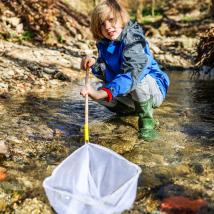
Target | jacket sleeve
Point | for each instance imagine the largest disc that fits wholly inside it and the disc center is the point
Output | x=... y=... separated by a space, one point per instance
x=135 y=60
x=132 y=69
x=120 y=85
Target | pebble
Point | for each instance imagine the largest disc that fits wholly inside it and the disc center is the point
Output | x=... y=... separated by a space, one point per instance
x=197 y=168
x=3 y=147
x=3 y=176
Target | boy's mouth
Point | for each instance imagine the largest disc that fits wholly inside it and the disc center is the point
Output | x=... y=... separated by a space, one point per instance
x=111 y=33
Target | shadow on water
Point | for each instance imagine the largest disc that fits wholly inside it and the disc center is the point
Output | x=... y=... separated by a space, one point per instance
x=59 y=111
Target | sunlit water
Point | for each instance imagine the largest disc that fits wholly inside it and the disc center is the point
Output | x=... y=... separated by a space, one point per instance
x=42 y=129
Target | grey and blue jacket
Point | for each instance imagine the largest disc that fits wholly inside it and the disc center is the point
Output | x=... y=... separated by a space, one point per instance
x=122 y=63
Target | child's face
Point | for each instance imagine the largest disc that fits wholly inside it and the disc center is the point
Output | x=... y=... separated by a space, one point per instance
x=111 y=27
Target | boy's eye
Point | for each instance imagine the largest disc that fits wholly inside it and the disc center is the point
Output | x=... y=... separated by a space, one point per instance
x=102 y=23
x=111 y=20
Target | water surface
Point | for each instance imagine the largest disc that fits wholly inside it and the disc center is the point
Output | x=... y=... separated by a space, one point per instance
x=42 y=129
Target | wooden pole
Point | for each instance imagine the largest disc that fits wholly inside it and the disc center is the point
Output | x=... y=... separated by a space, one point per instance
x=86 y=127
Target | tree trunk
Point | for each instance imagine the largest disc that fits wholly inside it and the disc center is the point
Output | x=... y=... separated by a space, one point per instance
x=212 y=8
x=153 y=7
x=96 y=2
x=139 y=11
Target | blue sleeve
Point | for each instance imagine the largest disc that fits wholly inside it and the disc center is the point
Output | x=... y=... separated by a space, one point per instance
x=121 y=84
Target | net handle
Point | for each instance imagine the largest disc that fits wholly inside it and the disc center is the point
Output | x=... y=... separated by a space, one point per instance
x=86 y=127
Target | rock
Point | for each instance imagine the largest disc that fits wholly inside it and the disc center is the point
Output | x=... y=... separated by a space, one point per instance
x=82 y=46
x=3 y=205
x=164 y=29
x=49 y=70
x=3 y=85
x=182 y=170
x=2 y=169
x=61 y=76
x=8 y=75
x=32 y=206
x=14 y=21
x=170 y=190
x=13 y=139
x=3 y=176
x=3 y=147
x=53 y=82
x=155 y=49
x=4 y=94
x=19 y=28
x=197 y=168
x=182 y=205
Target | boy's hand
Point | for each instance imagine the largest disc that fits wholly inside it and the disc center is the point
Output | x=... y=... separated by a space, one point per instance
x=87 y=62
x=94 y=94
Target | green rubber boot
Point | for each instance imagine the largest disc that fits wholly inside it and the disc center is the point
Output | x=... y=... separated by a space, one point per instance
x=146 y=123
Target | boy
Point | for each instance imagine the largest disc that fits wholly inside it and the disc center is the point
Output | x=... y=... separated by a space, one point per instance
x=132 y=79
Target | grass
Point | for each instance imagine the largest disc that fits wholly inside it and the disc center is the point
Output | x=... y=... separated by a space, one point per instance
x=61 y=39
x=148 y=11
x=187 y=19
x=150 y=19
x=25 y=36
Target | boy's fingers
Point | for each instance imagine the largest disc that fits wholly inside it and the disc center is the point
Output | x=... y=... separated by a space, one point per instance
x=84 y=91
x=84 y=65
x=83 y=94
x=89 y=64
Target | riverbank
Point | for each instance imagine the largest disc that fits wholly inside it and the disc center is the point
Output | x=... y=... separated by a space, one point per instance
x=26 y=68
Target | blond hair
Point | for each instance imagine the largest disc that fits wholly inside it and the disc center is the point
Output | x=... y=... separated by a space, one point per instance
x=99 y=15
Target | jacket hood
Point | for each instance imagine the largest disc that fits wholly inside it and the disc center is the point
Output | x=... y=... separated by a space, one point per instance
x=132 y=28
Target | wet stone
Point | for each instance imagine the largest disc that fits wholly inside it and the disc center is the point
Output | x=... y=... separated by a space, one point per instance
x=3 y=205
x=197 y=168
x=32 y=206
x=169 y=190
x=3 y=148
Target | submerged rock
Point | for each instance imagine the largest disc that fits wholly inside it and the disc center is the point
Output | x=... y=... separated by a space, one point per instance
x=182 y=205
x=32 y=206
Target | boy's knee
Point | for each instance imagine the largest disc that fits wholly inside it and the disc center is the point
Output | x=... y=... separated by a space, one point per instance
x=97 y=85
x=121 y=109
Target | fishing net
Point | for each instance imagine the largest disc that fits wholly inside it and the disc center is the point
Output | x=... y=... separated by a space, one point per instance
x=92 y=180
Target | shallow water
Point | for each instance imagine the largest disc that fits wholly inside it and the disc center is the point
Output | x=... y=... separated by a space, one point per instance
x=42 y=129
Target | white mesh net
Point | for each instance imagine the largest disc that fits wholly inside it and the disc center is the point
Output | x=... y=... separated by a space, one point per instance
x=92 y=180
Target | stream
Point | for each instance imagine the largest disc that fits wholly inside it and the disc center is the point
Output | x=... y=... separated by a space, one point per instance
x=42 y=129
